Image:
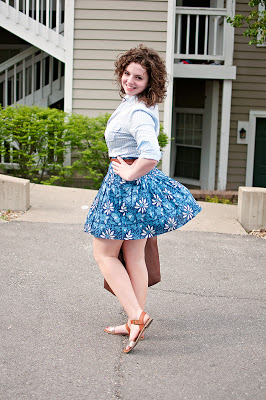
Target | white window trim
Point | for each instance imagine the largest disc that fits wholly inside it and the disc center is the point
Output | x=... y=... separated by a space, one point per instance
x=261 y=8
x=253 y=115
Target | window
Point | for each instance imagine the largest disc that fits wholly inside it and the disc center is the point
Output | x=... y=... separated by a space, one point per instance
x=188 y=140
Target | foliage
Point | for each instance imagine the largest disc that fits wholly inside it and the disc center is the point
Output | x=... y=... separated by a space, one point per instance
x=162 y=138
x=36 y=138
x=255 y=22
x=40 y=139
x=216 y=199
x=86 y=136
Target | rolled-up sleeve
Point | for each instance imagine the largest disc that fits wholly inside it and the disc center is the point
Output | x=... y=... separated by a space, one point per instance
x=144 y=128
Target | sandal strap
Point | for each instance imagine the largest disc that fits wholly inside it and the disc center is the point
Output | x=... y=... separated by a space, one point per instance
x=139 y=321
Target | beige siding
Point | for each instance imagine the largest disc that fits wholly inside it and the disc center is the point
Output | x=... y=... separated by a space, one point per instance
x=248 y=94
x=104 y=29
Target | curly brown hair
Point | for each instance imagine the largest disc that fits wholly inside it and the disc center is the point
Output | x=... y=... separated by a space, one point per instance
x=150 y=60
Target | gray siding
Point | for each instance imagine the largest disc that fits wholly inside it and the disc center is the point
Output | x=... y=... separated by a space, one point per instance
x=102 y=30
x=248 y=94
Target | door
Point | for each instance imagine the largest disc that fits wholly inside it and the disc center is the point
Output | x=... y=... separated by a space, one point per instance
x=259 y=171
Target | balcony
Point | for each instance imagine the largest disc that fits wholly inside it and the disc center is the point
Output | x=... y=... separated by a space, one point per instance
x=204 y=42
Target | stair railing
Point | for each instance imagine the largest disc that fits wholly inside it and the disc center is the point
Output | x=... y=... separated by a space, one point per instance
x=49 y=13
x=24 y=78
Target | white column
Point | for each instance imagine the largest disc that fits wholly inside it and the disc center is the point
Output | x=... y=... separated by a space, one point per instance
x=17 y=10
x=69 y=43
x=33 y=77
x=15 y=83
x=168 y=104
x=24 y=81
x=37 y=17
x=7 y=8
x=27 y=12
x=51 y=74
x=47 y=18
x=6 y=89
x=224 y=136
x=229 y=34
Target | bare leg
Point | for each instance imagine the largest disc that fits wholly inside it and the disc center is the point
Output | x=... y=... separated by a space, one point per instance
x=106 y=255
x=134 y=256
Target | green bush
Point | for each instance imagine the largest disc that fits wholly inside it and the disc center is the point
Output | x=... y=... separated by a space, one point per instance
x=216 y=199
x=86 y=136
x=35 y=141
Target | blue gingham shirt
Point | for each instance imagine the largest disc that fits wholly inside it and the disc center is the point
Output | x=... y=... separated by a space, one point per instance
x=132 y=130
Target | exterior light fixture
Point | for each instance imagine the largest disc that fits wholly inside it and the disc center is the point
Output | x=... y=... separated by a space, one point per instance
x=243 y=133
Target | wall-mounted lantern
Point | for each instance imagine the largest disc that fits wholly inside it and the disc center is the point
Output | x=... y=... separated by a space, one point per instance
x=242 y=132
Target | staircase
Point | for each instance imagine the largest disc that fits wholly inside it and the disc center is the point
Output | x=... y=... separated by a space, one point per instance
x=38 y=22
x=36 y=76
x=31 y=77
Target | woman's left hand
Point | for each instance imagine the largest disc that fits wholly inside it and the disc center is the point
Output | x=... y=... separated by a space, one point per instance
x=123 y=169
x=137 y=169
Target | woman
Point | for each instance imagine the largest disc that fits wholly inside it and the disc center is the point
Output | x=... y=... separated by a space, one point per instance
x=136 y=200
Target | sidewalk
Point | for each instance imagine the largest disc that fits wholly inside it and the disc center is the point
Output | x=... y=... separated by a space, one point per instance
x=207 y=340
x=55 y=204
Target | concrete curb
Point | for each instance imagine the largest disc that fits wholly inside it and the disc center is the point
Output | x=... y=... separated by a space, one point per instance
x=14 y=193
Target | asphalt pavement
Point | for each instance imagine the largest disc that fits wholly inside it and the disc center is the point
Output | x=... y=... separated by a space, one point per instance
x=207 y=340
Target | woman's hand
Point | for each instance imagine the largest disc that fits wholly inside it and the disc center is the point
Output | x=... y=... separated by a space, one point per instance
x=138 y=168
x=123 y=169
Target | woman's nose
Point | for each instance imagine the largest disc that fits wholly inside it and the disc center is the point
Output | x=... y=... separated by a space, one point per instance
x=130 y=79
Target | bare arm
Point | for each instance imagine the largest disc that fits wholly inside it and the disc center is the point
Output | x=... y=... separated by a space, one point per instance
x=134 y=171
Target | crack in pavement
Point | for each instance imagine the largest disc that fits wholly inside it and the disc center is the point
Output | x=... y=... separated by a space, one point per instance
x=118 y=373
x=118 y=378
x=208 y=296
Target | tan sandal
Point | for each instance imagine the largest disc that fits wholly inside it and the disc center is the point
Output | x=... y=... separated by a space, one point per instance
x=111 y=331
x=142 y=326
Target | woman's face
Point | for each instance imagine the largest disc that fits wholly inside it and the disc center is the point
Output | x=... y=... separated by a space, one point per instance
x=135 y=79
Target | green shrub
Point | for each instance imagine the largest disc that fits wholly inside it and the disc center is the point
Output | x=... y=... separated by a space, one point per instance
x=86 y=136
x=32 y=141
x=216 y=199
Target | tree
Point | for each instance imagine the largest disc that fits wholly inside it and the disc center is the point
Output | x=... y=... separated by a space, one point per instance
x=255 y=22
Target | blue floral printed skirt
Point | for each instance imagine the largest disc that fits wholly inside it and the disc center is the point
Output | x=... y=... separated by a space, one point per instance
x=146 y=207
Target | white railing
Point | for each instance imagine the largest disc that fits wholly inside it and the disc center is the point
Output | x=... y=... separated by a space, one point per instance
x=29 y=77
x=200 y=34
x=49 y=13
